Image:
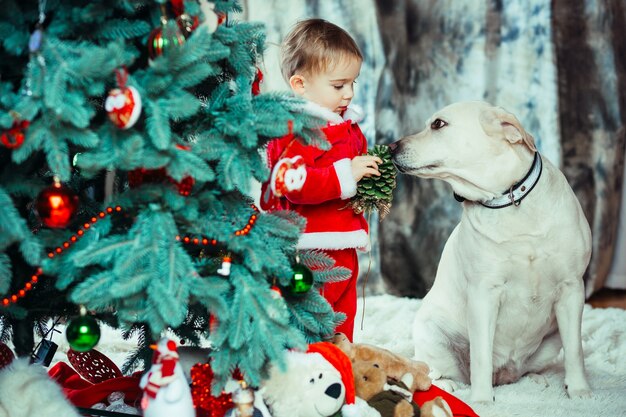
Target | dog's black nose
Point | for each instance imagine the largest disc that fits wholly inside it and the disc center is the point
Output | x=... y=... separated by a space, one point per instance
x=393 y=146
x=333 y=390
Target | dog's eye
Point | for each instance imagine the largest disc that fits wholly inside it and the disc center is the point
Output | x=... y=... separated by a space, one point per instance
x=364 y=378
x=320 y=377
x=312 y=381
x=438 y=124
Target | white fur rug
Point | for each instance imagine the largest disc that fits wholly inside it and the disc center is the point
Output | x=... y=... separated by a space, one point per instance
x=388 y=321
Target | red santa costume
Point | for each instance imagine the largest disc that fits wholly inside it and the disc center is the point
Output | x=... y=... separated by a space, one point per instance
x=322 y=200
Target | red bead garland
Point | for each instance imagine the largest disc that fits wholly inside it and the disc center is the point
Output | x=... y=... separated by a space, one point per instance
x=80 y=232
x=57 y=251
x=241 y=232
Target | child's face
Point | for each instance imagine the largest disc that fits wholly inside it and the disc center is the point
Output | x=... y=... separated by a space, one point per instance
x=333 y=88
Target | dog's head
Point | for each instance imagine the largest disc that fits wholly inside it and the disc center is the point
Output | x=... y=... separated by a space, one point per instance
x=474 y=146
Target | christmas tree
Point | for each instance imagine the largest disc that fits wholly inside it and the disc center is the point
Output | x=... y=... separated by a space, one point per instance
x=131 y=134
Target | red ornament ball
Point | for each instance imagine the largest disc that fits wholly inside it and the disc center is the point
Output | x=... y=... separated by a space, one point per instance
x=123 y=106
x=56 y=205
x=164 y=38
x=14 y=137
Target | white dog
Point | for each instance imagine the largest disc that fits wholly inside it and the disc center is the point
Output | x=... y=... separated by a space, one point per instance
x=508 y=293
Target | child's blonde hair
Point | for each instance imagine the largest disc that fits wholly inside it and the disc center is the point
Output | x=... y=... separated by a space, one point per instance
x=315 y=45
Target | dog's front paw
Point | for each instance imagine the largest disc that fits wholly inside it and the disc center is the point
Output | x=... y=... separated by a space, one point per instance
x=482 y=395
x=582 y=393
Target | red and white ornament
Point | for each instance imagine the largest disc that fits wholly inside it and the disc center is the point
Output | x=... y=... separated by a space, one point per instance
x=14 y=137
x=256 y=84
x=123 y=103
x=289 y=174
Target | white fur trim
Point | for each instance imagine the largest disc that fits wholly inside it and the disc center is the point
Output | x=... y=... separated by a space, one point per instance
x=354 y=113
x=343 y=168
x=334 y=240
x=321 y=112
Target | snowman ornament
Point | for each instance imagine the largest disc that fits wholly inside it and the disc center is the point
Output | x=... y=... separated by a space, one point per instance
x=166 y=392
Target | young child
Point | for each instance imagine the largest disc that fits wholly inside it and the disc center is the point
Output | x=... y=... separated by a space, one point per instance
x=321 y=62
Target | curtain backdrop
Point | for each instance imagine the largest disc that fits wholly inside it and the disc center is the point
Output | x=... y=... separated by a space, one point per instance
x=559 y=66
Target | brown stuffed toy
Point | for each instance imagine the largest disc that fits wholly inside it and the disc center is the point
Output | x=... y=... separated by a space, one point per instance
x=395 y=366
x=390 y=397
x=387 y=381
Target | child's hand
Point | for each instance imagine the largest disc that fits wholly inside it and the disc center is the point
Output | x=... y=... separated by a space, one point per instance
x=365 y=166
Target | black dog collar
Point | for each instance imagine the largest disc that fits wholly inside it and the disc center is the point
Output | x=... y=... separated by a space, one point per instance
x=518 y=191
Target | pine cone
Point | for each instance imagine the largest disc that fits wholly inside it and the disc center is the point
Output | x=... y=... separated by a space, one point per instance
x=376 y=192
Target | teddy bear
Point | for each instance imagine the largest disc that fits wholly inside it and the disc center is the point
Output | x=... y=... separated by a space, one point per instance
x=413 y=373
x=308 y=374
x=392 y=397
x=316 y=383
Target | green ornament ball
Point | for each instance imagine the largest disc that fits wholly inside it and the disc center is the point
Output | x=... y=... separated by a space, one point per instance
x=301 y=281
x=82 y=333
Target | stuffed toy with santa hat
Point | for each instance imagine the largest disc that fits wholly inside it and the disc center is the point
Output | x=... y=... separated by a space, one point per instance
x=316 y=383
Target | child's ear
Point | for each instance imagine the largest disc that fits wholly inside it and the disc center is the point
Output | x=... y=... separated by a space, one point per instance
x=296 y=82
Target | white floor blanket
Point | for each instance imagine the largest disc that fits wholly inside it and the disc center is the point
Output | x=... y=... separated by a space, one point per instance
x=388 y=321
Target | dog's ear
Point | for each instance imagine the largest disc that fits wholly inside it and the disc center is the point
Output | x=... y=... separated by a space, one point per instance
x=497 y=121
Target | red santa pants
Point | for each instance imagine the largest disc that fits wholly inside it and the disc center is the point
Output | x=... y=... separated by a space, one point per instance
x=342 y=295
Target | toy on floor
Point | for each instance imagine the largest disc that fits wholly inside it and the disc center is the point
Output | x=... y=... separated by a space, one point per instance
x=166 y=392
x=392 y=397
x=318 y=383
x=414 y=373
x=398 y=368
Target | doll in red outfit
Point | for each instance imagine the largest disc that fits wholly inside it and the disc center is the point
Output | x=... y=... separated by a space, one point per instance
x=321 y=62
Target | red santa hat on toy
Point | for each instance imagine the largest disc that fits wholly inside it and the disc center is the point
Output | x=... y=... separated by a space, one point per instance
x=342 y=363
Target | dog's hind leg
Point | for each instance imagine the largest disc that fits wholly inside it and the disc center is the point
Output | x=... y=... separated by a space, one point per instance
x=546 y=354
x=569 y=310
x=439 y=351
